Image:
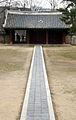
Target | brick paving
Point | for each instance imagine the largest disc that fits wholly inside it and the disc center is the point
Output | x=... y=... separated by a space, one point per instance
x=37 y=104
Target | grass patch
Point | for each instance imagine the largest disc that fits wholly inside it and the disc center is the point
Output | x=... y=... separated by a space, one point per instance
x=70 y=92
x=61 y=58
x=69 y=54
x=8 y=52
x=66 y=52
x=9 y=67
x=12 y=59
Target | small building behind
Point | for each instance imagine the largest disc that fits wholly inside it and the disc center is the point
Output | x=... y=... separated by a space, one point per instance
x=35 y=27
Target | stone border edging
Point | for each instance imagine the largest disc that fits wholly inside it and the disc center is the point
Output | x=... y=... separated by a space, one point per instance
x=49 y=99
x=25 y=103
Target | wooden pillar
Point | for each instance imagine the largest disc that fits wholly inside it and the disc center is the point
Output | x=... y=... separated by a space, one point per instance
x=46 y=37
x=11 y=37
x=27 y=32
x=63 y=38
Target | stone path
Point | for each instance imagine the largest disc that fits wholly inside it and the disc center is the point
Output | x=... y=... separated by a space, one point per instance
x=37 y=101
x=37 y=104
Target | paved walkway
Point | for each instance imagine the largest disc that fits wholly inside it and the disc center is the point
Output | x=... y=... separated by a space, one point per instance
x=37 y=104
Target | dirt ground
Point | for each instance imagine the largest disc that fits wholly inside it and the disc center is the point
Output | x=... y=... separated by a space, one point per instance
x=14 y=67
x=61 y=70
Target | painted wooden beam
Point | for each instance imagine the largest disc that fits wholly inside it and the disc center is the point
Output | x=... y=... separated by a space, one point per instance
x=27 y=32
x=11 y=38
x=46 y=37
x=63 y=38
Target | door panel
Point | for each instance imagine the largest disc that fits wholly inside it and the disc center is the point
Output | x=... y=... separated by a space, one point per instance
x=37 y=37
x=55 y=37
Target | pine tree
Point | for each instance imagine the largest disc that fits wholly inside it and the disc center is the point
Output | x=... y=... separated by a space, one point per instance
x=69 y=15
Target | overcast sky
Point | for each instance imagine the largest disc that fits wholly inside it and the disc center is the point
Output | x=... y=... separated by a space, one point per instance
x=46 y=4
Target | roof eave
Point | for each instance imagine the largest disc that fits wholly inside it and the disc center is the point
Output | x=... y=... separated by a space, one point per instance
x=35 y=28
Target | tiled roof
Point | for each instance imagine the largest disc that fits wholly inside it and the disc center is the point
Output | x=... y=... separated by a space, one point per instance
x=2 y=10
x=34 y=20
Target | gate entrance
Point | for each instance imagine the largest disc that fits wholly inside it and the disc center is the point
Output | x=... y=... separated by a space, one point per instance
x=54 y=37
x=37 y=37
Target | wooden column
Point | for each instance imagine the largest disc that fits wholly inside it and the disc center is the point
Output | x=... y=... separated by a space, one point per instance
x=46 y=37
x=27 y=32
x=11 y=38
x=63 y=38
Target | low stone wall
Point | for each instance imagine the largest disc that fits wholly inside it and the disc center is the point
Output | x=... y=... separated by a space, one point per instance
x=71 y=39
x=68 y=39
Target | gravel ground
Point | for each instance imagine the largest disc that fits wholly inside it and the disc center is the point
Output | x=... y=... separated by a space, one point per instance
x=61 y=70
x=14 y=67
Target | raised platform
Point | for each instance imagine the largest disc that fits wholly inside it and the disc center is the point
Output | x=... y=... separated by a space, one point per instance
x=45 y=45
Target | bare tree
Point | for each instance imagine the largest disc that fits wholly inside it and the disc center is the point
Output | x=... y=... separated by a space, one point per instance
x=13 y=3
x=25 y=4
x=50 y=2
x=53 y=4
x=35 y=5
x=30 y=2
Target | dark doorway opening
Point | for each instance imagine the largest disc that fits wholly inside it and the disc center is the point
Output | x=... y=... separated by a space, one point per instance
x=54 y=37
x=37 y=37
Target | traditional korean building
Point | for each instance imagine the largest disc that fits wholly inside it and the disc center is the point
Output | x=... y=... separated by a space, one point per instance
x=35 y=27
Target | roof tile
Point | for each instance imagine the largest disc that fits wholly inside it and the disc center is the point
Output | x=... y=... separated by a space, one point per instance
x=34 y=21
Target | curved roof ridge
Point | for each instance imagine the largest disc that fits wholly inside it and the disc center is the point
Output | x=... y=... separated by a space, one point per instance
x=36 y=20
x=33 y=13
